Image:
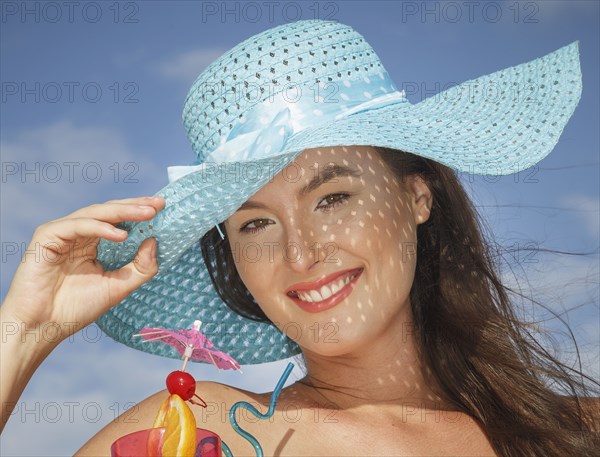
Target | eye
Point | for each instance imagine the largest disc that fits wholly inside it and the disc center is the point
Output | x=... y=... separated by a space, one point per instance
x=335 y=200
x=249 y=230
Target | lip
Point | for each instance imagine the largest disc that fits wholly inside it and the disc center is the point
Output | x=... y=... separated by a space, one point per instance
x=320 y=282
x=317 y=307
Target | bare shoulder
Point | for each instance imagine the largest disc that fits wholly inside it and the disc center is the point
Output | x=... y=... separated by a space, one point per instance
x=220 y=398
x=215 y=417
x=297 y=427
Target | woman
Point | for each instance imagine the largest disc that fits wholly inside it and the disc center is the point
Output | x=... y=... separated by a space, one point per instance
x=417 y=353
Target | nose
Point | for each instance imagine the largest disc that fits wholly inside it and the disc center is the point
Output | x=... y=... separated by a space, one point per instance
x=304 y=248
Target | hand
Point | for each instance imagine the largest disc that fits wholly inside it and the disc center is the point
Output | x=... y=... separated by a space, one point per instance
x=63 y=284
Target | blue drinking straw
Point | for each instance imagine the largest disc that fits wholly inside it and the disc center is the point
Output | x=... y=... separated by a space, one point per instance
x=244 y=404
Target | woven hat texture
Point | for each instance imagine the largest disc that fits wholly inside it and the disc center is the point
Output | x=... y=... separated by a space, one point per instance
x=239 y=112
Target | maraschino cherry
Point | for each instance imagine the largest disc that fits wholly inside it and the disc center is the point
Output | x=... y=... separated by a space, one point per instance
x=184 y=385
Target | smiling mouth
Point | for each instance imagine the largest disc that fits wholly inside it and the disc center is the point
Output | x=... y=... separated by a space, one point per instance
x=325 y=291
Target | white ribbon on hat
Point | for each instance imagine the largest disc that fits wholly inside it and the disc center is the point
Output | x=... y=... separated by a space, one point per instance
x=266 y=128
x=264 y=131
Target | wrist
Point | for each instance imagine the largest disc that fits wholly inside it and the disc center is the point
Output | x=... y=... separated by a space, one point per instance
x=24 y=342
x=21 y=352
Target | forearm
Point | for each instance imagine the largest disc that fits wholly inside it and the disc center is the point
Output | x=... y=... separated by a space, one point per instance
x=22 y=350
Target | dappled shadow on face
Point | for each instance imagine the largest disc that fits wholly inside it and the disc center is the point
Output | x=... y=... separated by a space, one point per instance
x=338 y=210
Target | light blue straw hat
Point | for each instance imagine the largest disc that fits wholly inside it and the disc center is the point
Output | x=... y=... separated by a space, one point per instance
x=304 y=85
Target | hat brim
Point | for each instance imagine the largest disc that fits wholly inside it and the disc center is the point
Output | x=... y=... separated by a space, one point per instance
x=497 y=124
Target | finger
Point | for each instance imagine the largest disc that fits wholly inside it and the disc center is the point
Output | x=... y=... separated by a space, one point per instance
x=65 y=231
x=146 y=200
x=117 y=212
x=140 y=270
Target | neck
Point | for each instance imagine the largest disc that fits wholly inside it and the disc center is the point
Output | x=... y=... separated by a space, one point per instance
x=385 y=372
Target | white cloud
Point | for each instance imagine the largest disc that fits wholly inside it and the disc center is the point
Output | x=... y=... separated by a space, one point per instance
x=50 y=171
x=186 y=66
x=52 y=168
x=588 y=209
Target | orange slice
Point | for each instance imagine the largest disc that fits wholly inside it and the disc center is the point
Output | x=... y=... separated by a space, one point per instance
x=179 y=438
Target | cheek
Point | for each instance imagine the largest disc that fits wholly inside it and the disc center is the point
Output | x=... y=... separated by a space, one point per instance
x=383 y=224
x=252 y=269
x=398 y=224
x=400 y=237
x=243 y=258
x=390 y=241
x=255 y=265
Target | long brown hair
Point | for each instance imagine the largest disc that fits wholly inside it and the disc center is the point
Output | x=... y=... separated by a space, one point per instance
x=485 y=359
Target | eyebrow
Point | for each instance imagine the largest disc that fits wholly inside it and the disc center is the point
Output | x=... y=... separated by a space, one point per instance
x=328 y=174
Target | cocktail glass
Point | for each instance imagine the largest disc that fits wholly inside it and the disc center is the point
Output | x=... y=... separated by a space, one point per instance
x=145 y=443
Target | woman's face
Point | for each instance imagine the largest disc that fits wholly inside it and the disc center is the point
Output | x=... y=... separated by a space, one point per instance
x=355 y=229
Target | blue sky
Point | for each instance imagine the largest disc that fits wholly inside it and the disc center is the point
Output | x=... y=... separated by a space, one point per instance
x=103 y=86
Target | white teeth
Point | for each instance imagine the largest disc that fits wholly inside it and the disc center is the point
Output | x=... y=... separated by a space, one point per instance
x=325 y=292
x=316 y=296
x=336 y=286
x=304 y=297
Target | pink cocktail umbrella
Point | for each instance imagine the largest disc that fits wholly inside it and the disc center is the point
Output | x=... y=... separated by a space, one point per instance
x=191 y=344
